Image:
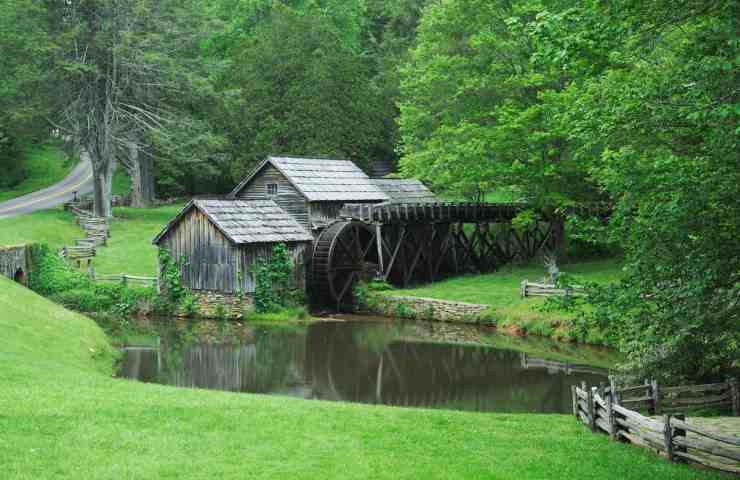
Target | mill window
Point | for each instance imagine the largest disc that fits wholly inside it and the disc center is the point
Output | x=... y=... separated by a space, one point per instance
x=272 y=189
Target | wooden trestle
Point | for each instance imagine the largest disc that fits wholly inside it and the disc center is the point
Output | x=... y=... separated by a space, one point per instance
x=422 y=242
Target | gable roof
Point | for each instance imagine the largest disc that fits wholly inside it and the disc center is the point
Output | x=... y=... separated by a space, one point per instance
x=405 y=190
x=260 y=221
x=322 y=180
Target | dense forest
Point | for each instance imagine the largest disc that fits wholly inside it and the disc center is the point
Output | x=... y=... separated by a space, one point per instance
x=631 y=103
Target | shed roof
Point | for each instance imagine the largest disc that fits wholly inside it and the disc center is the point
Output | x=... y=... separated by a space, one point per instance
x=260 y=221
x=405 y=190
x=323 y=180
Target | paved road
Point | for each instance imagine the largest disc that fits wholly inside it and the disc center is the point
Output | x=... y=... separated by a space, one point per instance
x=79 y=180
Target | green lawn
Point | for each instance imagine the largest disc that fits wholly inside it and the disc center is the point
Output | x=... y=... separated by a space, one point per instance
x=129 y=249
x=63 y=416
x=501 y=291
x=44 y=166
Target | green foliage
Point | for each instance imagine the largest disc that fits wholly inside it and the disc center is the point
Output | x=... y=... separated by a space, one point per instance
x=404 y=311
x=52 y=275
x=295 y=87
x=365 y=293
x=283 y=315
x=274 y=280
x=170 y=277
x=54 y=278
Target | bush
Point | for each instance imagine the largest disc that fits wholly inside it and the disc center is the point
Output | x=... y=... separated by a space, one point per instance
x=54 y=278
x=274 y=289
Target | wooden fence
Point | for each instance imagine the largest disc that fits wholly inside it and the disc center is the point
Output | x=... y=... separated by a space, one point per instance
x=125 y=279
x=534 y=289
x=601 y=410
x=657 y=400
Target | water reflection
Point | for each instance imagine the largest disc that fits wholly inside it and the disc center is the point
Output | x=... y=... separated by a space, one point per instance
x=367 y=362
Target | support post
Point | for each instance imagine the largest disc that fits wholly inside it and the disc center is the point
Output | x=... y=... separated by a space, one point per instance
x=591 y=409
x=379 y=242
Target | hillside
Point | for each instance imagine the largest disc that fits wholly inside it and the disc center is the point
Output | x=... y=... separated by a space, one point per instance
x=65 y=417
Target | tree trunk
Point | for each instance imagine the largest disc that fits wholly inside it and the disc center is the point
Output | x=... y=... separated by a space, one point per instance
x=142 y=179
x=102 y=187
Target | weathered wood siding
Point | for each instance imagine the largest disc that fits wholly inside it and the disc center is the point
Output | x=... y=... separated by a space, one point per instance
x=210 y=262
x=326 y=212
x=209 y=259
x=250 y=255
x=287 y=197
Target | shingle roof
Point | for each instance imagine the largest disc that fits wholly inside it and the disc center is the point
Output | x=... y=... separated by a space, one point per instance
x=405 y=190
x=324 y=180
x=260 y=221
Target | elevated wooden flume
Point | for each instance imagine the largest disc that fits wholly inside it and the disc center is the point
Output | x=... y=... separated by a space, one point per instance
x=404 y=243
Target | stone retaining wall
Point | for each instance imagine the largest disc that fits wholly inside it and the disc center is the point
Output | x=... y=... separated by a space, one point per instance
x=427 y=309
x=221 y=305
x=15 y=262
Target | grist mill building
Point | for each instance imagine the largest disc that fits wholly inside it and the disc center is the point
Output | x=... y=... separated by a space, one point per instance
x=284 y=200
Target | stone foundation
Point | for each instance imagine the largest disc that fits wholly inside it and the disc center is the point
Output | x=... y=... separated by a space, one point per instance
x=15 y=262
x=427 y=309
x=221 y=305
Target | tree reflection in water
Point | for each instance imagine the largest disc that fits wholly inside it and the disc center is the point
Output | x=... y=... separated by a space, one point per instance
x=369 y=362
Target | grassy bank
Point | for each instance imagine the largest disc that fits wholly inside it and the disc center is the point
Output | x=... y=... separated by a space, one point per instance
x=43 y=166
x=129 y=249
x=500 y=290
x=63 y=416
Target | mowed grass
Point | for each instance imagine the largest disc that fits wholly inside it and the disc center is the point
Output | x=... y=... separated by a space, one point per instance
x=44 y=166
x=129 y=250
x=501 y=290
x=55 y=227
x=62 y=415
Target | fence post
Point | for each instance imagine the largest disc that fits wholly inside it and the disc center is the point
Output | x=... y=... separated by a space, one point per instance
x=124 y=280
x=591 y=409
x=655 y=393
x=679 y=432
x=523 y=289
x=610 y=417
x=735 y=392
x=651 y=401
x=668 y=437
x=613 y=389
x=574 y=399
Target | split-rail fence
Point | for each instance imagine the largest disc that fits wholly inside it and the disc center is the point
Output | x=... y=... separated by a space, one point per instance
x=604 y=409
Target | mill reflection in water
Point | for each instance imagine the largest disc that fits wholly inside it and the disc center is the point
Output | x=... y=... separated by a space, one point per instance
x=367 y=362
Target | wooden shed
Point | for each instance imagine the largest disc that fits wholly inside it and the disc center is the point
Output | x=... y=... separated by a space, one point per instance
x=311 y=190
x=220 y=241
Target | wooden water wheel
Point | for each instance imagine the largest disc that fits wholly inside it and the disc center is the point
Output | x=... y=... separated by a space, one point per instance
x=344 y=253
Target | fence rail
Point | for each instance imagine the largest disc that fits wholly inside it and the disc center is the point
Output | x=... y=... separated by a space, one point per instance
x=125 y=279
x=534 y=289
x=603 y=410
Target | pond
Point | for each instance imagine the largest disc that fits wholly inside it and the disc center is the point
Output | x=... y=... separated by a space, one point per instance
x=415 y=364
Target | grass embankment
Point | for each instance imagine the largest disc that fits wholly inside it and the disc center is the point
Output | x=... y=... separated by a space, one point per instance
x=500 y=290
x=129 y=249
x=43 y=166
x=63 y=416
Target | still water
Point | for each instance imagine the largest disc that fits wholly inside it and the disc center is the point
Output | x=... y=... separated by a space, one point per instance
x=410 y=364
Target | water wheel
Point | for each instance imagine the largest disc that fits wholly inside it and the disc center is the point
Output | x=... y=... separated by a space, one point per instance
x=344 y=253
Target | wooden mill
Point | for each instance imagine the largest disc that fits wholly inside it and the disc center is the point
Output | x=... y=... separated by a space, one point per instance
x=342 y=227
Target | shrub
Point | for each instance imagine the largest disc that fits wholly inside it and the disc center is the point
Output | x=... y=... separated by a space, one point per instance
x=274 y=288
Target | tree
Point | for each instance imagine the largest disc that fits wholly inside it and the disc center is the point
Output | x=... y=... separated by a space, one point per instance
x=296 y=88
x=656 y=126
x=475 y=113
x=118 y=63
